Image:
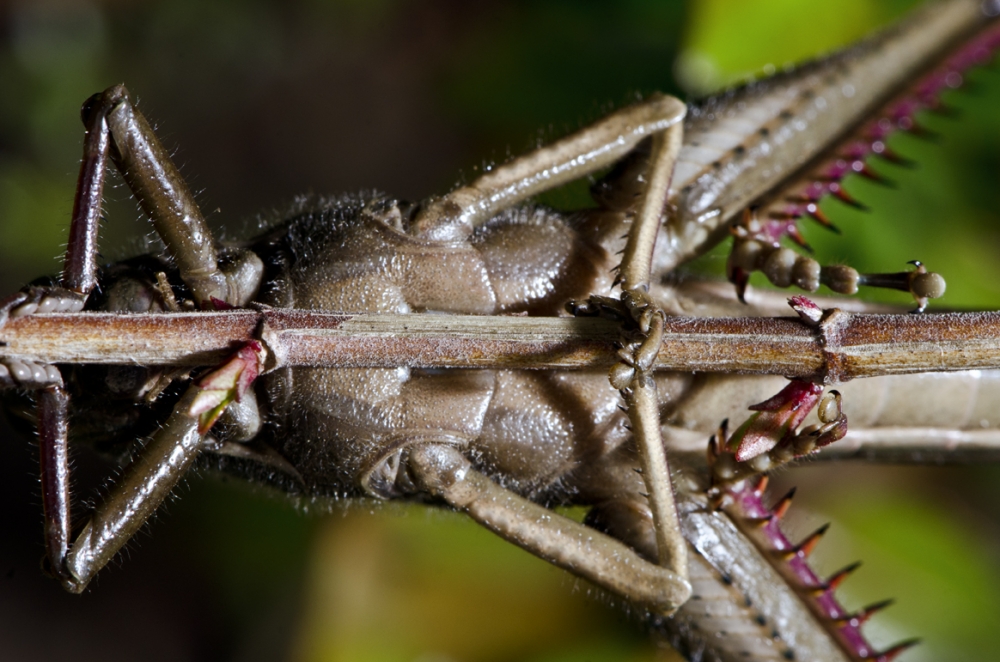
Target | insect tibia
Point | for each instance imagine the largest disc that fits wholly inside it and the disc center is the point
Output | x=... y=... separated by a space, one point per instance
x=744 y=503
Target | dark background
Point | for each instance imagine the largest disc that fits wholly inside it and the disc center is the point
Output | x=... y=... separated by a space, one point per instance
x=261 y=101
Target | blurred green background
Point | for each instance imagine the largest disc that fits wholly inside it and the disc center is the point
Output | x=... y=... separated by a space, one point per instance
x=261 y=101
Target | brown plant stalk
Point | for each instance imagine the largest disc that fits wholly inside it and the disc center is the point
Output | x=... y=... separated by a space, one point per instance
x=844 y=346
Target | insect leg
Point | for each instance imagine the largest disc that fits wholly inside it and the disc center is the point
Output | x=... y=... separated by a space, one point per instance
x=442 y=471
x=633 y=376
x=166 y=199
x=78 y=279
x=145 y=483
x=80 y=267
x=458 y=214
x=53 y=437
x=133 y=499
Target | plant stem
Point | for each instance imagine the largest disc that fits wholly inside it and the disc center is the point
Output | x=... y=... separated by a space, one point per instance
x=847 y=346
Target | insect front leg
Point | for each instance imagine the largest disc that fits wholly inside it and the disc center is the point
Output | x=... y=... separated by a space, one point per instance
x=115 y=128
x=145 y=483
x=78 y=279
x=166 y=199
x=80 y=266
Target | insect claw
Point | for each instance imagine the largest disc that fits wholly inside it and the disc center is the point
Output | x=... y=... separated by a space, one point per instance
x=740 y=279
x=713 y=447
x=761 y=485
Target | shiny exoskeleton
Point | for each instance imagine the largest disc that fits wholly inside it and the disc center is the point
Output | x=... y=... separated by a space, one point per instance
x=499 y=445
x=345 y=430
x=381 y=432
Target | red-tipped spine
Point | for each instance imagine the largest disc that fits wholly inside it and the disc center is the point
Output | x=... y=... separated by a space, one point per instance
x=745 y=503
x=837 y=578
x=891 y=654
x=806 y=547
x=784 y=503
x=860 y=617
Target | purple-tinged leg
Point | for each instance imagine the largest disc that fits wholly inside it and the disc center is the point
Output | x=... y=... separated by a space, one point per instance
x=53 y=435
x=80 y=267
